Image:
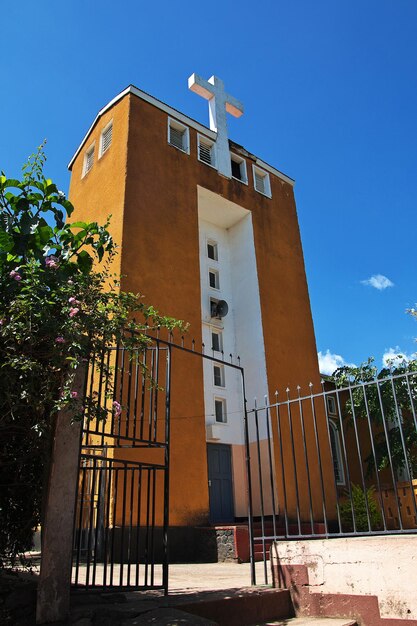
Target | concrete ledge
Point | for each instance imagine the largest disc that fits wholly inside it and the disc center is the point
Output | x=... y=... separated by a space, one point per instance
x=373 y=579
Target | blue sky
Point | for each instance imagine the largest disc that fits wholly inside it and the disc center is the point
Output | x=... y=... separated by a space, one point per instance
x=330 y=95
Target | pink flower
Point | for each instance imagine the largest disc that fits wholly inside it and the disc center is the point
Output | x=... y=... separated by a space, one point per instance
x=73 y=311
x=117 y=409
x=73 y=300
x=15 y=274
x=74 y=394
x=50 y=262
x=70 y=282
x=59 y=339
x=2 y=321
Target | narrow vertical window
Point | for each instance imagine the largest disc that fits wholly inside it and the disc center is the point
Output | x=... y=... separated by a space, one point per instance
x=220 y=410
x=218 y=372
x=212 y=250
x=178 y=136
x=206 y=151
x=216 y=341
x=214 y=281
x=88 y=160
x=261 y=181
x=106 y=138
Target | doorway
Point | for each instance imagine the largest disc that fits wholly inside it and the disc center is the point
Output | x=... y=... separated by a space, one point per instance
x=219 y=461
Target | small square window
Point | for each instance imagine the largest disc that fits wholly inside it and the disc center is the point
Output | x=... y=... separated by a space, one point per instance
x=178 y=135
x=216 y=341
x=214 y=281
x=331 y=405
x=88 y=160
x=220 y=410
x=206 y=151
x=218 y=375
x=238 y=168
x=261 y=181
x=212 y=250
x=105 y=139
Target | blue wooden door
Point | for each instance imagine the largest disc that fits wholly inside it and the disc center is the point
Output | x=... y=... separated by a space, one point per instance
x=220 y=483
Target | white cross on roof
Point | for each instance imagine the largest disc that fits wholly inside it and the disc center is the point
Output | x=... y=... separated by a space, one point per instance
x=220 y=103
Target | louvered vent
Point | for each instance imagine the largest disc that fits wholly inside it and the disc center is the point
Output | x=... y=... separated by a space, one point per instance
x=89 y=160
x=106 y=138
x=260 y=182
x=205 y=152
x=177 y=138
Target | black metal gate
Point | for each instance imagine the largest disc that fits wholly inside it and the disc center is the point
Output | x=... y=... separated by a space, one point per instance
x=122 y=515
x=121 y=521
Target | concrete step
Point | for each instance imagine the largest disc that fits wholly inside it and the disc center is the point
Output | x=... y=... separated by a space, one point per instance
x=311 y=621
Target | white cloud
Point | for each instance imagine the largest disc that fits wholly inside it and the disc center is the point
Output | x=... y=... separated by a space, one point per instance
x=395 y=356
x=329 y=362
x=378 y=281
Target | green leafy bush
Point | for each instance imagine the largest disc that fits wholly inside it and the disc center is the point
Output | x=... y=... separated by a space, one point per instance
x=59 y=302
x=358 y=506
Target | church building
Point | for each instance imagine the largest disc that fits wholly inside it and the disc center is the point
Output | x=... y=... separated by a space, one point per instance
x=208 y=233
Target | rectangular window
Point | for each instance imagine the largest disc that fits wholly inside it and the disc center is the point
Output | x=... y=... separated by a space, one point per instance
x=214 y=281
x=105 y=139
x=337 y=454
x=238 y=168
x=220 y=410
x=212 y=251
x=331 y=405
x=213 y=307
x=216 y=342
x=88 y=160
x=178 y=135
x=206 y=151
x=261 y=181
x=218 y=375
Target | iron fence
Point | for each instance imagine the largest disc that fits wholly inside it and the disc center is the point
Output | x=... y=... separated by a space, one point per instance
x=340 y=461
x=121 y=519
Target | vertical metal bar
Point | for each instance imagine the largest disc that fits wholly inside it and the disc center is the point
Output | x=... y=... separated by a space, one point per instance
x=281 y=452
x=297 y=495
x=147 y=539
x=156 y=387
x=80 y=521
x=345 y=455
x=403 y=444
x=121 y=390
x=100 y=390
x=142 y=406
x=122 y=538
x=329 y=441
x=138 y=534
x=303 y=436
x=151 y=396
x=115 y=384
x=152 y=544
x=271 y=467
x=368 y=417
x=109 y=478
x=318 y=448
x=165 y=545
x=115 y=472
x=394 y=481
x=87 y=418
x=130 y=534
x=129 y=395
x=91 y=521
x=261 y=491
x=359 y=451
x=249 y=484
x=106 y=393
x=97 y=518
x=135 y=400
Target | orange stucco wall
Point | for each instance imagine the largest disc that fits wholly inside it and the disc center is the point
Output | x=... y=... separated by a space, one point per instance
x=150 y=188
